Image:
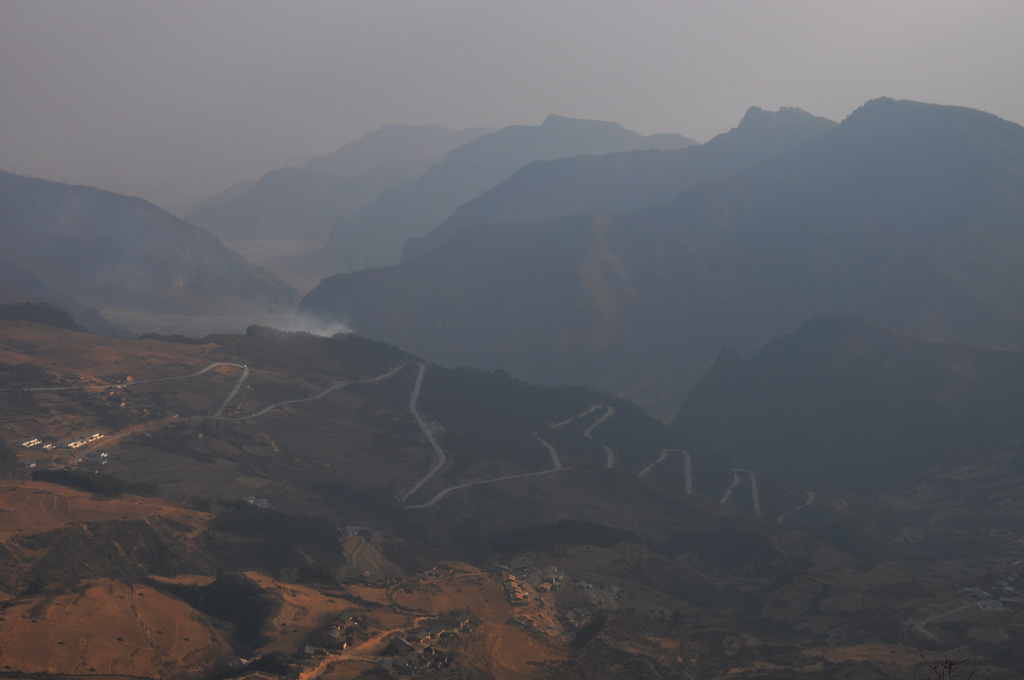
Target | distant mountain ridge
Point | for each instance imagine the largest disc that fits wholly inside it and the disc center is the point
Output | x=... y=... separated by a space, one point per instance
x=306 y=202
x=628 y=180
x=375 y=235
x=847 y=402
x=122 y=252
x=906 y=214
x=393 y=142
x=298 y=203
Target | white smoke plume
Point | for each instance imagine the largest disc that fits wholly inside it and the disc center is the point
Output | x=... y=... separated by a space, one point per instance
x=307 y=323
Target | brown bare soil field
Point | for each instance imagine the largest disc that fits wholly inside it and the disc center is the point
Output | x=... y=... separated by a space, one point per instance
x=508 y=653
x=348 y=670
x=902 y=657
x=186 y=579
x=106 y=627
x=303 y=610
x=36 y=507
x=81 y=354
x=454 y=586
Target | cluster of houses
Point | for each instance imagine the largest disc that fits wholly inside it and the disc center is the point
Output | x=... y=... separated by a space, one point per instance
x=1004 y=596
x=91 y=458
x=424 y=648
x=517 y=597
x=339 y=634
x=37 y=443
x=82 y=441
x=592 y=597
x=261 y=503
x=96 y=458
x=574 y=618
x=34 y=443
x=542 y=581
x=551 y=580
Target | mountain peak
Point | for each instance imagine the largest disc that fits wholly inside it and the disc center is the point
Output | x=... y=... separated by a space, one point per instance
x=556 y=121
x=888 y=110
x=756 y=117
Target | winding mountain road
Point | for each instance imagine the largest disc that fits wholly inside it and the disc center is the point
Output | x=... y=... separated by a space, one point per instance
x=753 y=492
x=556 y=462
x=687 y=467
x=812 y=496
x=753 y=489
x=321 y=395
x=728 y=492
x=440 y=459
x=609 y=453
x=238 y=385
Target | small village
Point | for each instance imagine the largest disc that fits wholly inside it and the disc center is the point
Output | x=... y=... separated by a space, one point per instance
x=90 y=461
x=1003 y=595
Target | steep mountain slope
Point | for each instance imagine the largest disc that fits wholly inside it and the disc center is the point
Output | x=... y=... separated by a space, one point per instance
x=296 y=203
x=115 y=251
x=393 y=142
x=375 y=235
x=907 y=214
x=852 y=403
x=627 y=181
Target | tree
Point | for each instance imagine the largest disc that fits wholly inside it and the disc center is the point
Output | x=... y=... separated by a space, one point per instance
x=945 y=669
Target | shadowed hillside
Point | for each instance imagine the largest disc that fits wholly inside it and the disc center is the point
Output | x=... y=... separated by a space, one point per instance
x=848 y=402
x=627 y=181
x=296 y=203
x=374 y=236
x=113 y=251
x=906 y=214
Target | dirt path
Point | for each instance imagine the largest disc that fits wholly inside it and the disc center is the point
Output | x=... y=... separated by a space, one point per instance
x=920 y=625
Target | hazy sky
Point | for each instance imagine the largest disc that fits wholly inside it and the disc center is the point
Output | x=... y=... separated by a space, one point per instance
x=176 y=100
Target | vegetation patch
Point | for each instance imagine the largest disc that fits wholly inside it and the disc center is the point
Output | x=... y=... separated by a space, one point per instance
x=565 y=532
x=102 y=485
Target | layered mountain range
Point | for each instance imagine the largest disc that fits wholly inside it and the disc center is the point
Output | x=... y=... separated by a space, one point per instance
x=375 y=235
x=838 y=491
x=629 y=180
x=306 y=202
x=906 y=214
